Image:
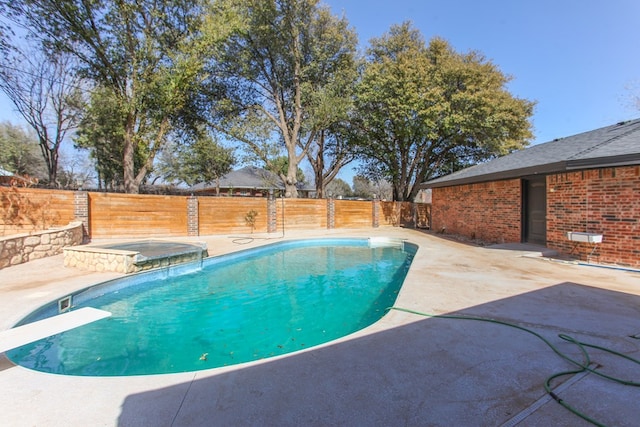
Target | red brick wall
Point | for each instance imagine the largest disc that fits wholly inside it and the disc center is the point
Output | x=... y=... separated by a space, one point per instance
x=604 y=201
x=488 y=211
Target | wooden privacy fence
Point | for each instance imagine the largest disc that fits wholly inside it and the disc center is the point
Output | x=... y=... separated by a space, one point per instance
x=28 y=210
x=107 y=215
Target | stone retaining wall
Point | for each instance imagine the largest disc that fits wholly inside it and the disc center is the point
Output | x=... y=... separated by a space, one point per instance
x=21 y=248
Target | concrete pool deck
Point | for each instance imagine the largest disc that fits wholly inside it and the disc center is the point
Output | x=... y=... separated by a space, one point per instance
x=403 y=370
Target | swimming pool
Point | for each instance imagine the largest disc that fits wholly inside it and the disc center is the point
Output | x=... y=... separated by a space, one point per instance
x=249 y=305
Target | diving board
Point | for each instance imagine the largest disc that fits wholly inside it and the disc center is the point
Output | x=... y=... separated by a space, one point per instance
x=31 y=332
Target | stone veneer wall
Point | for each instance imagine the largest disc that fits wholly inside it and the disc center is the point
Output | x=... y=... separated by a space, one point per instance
x=121 y=261
x=21 y=248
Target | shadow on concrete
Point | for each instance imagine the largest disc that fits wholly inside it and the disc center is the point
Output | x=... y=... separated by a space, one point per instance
x=426 y=372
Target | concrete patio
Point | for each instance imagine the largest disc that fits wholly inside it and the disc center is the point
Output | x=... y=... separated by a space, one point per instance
x=404 y=370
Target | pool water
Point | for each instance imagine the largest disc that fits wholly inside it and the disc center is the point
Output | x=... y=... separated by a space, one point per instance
x=253 y=305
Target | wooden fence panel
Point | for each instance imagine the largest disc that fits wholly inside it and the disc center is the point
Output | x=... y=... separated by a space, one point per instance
x=301 y=214
x=397 y=214
x=224 y=215
x=353 y=214
x=24 y=210
x=136 y=215
x=423 y=215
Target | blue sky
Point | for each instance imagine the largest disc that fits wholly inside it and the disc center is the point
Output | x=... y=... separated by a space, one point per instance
x=579 y=60
x=575 y=58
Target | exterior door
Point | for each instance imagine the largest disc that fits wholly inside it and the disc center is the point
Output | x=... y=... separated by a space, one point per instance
x=535 y=210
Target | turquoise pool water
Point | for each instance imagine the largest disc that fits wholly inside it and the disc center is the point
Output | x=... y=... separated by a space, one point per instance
x=245 y=306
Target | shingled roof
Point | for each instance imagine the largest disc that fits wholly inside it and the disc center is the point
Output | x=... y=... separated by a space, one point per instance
x=247 y=177
x=616 y=145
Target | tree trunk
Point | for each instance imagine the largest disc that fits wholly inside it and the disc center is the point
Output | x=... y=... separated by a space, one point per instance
x=128 y=155
x=319 y=177
x=318 y=167
x=290 y=188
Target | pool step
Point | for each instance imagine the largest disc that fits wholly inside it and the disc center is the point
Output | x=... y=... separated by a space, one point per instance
x=386 y=242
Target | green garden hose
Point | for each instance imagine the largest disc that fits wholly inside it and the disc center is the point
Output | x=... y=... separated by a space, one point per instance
x=584 y=366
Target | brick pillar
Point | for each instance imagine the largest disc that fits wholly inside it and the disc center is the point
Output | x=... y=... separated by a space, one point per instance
x=272 y=213
x=81 y=212
x=376 y=213
x=331 y=213
x=193 y=227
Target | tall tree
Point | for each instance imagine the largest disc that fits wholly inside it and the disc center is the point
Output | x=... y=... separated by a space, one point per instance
x=362 y=187
x=19 y=151
x=101 y=132
x=204 y=159
x=146 y=55
x=428 y=109
x=280 y=166
x=279 y=72
x=338 y=188
x=47 y=93
x=329 y=100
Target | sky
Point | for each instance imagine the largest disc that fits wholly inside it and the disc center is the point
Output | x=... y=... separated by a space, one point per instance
x=578 y=59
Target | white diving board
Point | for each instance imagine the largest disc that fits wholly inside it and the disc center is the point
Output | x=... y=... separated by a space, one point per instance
x=25 y=334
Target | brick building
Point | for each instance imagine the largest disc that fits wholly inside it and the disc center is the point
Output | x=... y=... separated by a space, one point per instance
x=566 y=194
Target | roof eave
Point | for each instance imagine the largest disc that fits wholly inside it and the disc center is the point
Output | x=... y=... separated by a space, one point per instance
x=605 y=162
x=564 y=166
x=499 y=176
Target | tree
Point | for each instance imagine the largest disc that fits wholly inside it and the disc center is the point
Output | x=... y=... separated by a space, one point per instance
x=101 y=132
x=19 y=152
x=147 y=57
x=280 y=166
x=330 y=100
x=46 y=92
x=203 y=160
x=362 y=187
x=278 y=73
x=427 y=109
x=338 y=188
x=76 y=171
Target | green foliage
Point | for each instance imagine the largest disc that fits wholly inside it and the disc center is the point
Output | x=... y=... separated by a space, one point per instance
x=338 y=187
x=330 y=96
x=282 y=77
x=425 y=109
x=280 y=165
x=147 y=57
x=362 y=187
x=102 y=132
x=202 y=160
x=19 y=152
